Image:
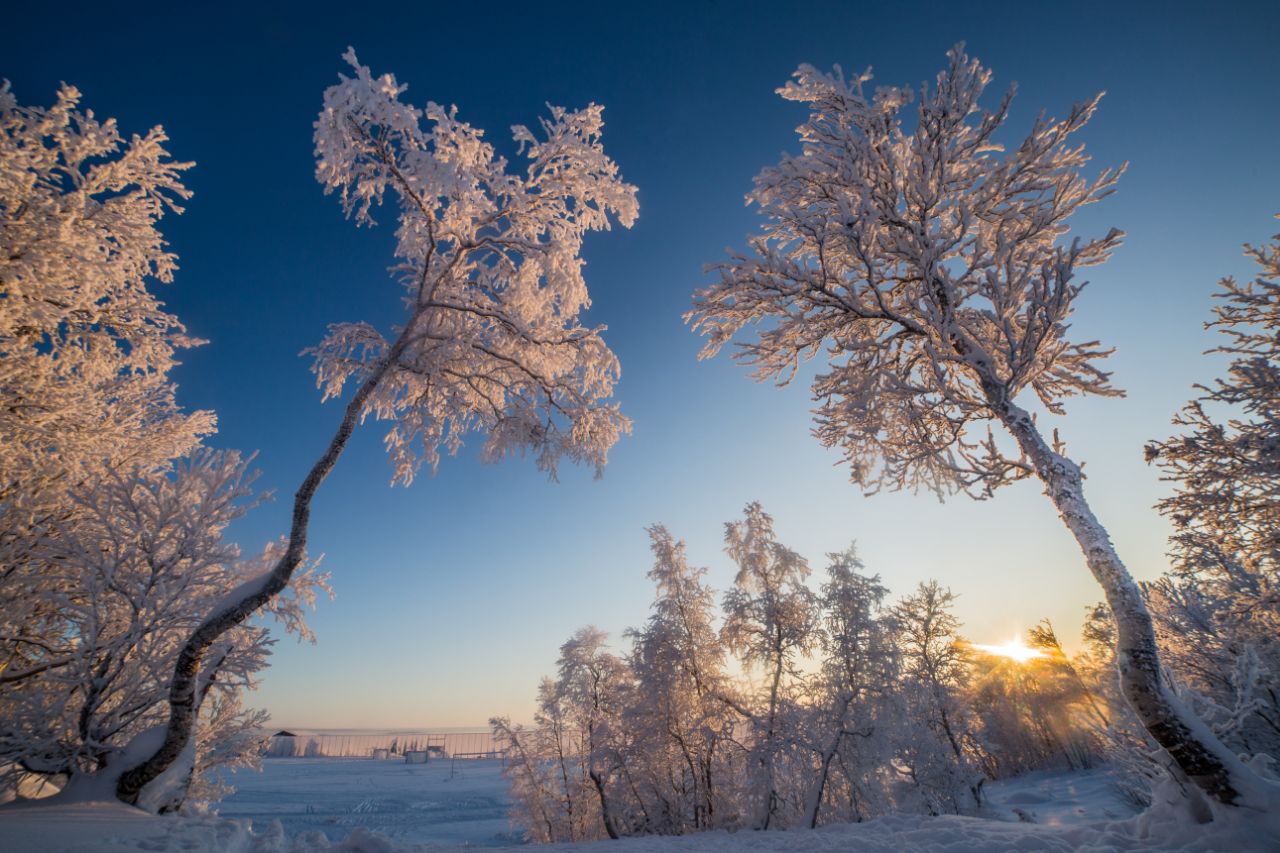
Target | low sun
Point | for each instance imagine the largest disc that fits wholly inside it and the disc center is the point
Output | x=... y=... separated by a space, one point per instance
x=1015 y=650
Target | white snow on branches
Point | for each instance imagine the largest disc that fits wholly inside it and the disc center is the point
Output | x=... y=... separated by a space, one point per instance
x=490 y=262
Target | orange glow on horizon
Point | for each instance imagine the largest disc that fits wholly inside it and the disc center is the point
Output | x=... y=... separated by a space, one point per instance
x=1015 y=650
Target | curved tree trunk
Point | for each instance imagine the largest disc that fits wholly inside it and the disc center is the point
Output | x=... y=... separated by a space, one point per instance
x=605 y=815
x=1199 y=755
x=242 y=602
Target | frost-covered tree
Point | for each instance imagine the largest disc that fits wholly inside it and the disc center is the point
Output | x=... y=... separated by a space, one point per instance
x=109 y=549
x=770 y=618
x=591 y=683
x=124 y=586
x=937 y=747
x=679 y=719
x=569 y=778
x=535 y=804
x=1218 y=609
x=548 y=772
x=859 y=674
x=85 y=345
x=929 y=264
x=489 y=260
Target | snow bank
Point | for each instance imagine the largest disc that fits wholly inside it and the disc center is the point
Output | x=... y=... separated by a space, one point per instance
x=371 y=806
x=115 y=827
x=112 y=826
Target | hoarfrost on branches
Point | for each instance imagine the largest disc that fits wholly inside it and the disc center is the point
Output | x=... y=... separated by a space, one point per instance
x=85 y=346
x=119 y=592
x=926 y=265
x=489 y=258
x=864 y=710
x=770 y=616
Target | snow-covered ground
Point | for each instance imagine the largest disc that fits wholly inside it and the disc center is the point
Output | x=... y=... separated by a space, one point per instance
x=368 y=806
x=462 y=802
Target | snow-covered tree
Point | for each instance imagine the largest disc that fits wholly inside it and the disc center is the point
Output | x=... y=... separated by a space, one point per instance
x=770 y=618
x=85 y=346
x=679 y=720
x=535 y=804
x=549 y=783
x=937 y=745
x=123 y=588
x=489 y=260
x=859 y=674
x=568 y=773
x=1218 y=610
x=929 y=264
x=110 y=549
x=592 y=684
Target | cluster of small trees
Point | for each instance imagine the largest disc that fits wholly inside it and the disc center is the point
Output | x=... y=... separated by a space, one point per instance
x=786 y=706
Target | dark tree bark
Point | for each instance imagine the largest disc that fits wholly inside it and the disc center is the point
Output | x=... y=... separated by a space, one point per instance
x=183 y=692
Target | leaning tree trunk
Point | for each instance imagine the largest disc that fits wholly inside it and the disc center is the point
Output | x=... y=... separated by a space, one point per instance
x=1194 y=749
x=245 y=600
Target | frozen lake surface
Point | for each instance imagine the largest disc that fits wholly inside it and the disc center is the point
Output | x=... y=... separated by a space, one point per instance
x=442 y=802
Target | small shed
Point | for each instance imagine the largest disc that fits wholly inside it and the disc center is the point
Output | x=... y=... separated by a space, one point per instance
x=381 y=752
x=415 y=756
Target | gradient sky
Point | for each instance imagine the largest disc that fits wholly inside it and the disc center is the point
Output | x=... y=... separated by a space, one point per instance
x=454 y=595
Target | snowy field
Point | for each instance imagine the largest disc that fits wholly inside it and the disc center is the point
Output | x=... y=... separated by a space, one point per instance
x=466 y=802
x=368 y=806
x=463 y=802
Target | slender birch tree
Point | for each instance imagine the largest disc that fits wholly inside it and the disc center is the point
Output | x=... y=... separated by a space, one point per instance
x=489 y=260
x=678 y=662
x=770 y=618
x=859 y=670
x=934 y=669
x=929 y=264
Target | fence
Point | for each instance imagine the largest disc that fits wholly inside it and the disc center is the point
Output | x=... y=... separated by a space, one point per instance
x=444 y=745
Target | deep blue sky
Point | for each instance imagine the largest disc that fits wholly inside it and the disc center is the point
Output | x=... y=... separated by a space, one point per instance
x=453 y=595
